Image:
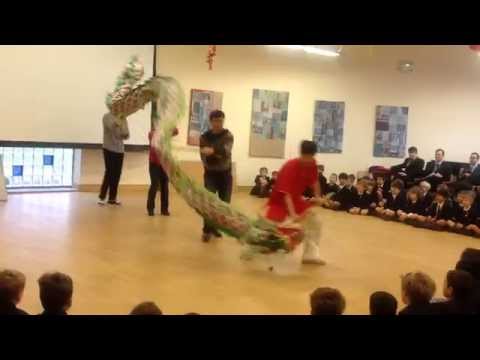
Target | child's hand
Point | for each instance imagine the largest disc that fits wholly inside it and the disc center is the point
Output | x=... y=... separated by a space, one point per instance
x=207 y=151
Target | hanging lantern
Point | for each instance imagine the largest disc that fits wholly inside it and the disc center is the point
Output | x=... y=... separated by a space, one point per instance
x=212 y=52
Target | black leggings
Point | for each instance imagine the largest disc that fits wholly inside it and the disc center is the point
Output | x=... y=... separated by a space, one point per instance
x=218 y=182
x=158 y=180
x=113 y=171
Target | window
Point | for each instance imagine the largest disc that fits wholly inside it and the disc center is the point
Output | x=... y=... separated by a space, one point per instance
x=27 y=167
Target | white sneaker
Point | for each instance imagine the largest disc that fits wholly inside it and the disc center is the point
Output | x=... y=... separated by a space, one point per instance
x=114 y=202
x=101 y=202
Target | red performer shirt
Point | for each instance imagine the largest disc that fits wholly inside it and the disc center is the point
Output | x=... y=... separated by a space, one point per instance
x=153 y=153
x=293 y=178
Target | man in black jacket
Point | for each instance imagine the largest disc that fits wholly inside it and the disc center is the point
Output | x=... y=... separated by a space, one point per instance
x=410 y=169
x=437 y=171
x=216 y=153
x=469 y=175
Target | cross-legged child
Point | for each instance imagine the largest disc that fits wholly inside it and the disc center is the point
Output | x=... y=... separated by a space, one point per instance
x=362 y=199
x=262 y=184
x=415 y=206
x=287 y=203
x=395 y=201
x=343 y=199
x=465 y=214
x=439 y=212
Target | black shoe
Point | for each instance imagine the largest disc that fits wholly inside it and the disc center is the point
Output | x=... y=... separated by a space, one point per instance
x=216 y=233
x=151 y=213
x=206 y=237
x=165 y=213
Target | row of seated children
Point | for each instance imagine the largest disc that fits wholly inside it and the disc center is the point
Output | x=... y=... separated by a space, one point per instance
x=417 y=206
x=263 y=183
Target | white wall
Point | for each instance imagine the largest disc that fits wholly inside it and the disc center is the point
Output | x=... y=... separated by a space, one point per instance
x=443 y=96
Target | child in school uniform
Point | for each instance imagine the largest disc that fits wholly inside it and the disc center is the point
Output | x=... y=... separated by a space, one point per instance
x=465 y=214
x=414 y=207
x=262 y=184
x=381 y=188
x=395 y=200
x=322 y=181
x=439 y=212
x=343 y=199
x=362 y=199
x=426 y=195
x=332 y=186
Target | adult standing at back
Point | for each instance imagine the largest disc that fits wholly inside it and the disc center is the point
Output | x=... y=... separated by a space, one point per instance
x=216 y=153
x=115 y=131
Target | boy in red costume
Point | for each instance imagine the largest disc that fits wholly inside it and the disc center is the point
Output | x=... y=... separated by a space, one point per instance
x=287 y=202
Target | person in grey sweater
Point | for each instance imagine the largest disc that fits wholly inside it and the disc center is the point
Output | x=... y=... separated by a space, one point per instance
x=115 y=131
x=216 y=153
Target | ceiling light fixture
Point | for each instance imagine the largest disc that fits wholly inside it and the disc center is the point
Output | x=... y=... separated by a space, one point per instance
x=323 y=50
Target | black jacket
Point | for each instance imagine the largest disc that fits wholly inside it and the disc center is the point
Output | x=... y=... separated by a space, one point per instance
x=418 y=207
x=465 y=217
x=10 y=309
x=445 y=170
x=222 y=143
x=446 y=213
x=413 y=168
x=474 y=177
x=398 y=203
x=323 y=184
x=345 y=197
x=331 y=188
x=364 y=200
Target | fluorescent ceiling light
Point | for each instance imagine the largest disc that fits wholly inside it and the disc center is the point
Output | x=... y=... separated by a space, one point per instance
x=324 y=50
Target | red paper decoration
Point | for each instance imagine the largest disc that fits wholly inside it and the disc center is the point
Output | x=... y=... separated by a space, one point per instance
x=475 y=48
x=212 y=52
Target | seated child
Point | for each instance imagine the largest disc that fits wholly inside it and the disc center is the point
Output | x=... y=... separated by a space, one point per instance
x=465 y=214
x=327 y=301
x=458 y=289
x=414 y=207
x=381 y=189
x=362 y=199
x=12 y=285
x=371 y=191
x=332 y=186
x=383 y=303
x=417 y=292
x=439 y=212
x=56 y=290
x=273 y=179
x=351 y=180
x=395 y=200
x=262 y=184
x=343 y=199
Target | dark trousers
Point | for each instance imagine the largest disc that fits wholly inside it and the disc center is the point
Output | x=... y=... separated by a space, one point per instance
x=218 y=182
x=113 y=171
x=158 y=181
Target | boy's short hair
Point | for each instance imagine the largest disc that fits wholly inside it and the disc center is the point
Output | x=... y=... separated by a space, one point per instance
x=217 y=114
x=418 y=287
x=192 y=313
x=441 y=150
x=308 y=147
x=425 y=184
x=397 y=183
x=415 y=190
x=146 y=308
x=351 y=176
x=327 y=301
x=263 y=168
x=413 y=149
x=12 y=283
x=443 y=192
x=362 y=182
x=343 y=176
x=467 y=193
x=321 y=167
x=380 y=176
x=461 y=283
x=56 y=290
x=383 y=303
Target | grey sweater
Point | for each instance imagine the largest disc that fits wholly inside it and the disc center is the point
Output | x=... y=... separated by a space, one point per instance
x=114 y=132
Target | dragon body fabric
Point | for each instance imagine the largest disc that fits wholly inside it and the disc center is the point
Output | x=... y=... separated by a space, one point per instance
x=131 y=95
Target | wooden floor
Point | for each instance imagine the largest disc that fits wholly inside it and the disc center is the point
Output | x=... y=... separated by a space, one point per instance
x=119 y=257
